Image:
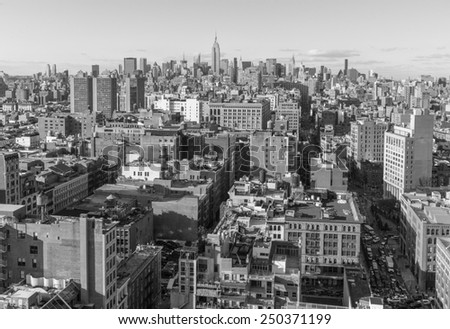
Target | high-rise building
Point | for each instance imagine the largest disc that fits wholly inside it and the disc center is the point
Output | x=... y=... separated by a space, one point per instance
x=215 y=57
x=133 y=94
x=81 y=93
x=54 y=70
x=346 y=67
x=235 y=70
x=271 y=65
x=49 y=72
x=129 y=66
x=443 y=272
x=408 y=154
x=367 y=140
x=224 y=65
x=143 y=65
x=353 y=74
x=105 y=95
x=9 y=177
x=95 y=70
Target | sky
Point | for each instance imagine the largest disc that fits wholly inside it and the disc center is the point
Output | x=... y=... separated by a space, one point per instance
x=397 y=39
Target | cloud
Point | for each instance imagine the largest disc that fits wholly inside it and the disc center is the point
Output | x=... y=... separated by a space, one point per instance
x=141 y=50
x=367 y=62
x=390 y=49
x=330 y=54
x=432 y=57
x=288 y=50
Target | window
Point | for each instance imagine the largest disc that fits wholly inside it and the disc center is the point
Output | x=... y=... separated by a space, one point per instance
x=34 y=263
x=21 y=261
x=33 y=250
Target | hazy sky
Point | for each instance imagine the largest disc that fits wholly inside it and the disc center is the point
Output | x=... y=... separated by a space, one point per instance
x=394 y=38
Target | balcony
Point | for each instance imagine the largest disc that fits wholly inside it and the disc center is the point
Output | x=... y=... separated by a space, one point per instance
x=2 y=235
x=3 y=276
x=3 y=249
x=3 y=262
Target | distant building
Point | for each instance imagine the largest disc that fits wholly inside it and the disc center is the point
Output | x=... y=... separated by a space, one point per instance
x=105 y=96
x=129 y=66
x=81 y=94
x=95 y=70
x=215 y=57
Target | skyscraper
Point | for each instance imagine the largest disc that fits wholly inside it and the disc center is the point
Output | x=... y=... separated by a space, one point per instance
x=80 y=93
x=54 y=70
x=134 y=94
x=215 y=57
x=105 y=95
x=408 y=154
x=49 y=72
x=346 y=67
x=129 y=66
x=143 y=65
x=271 y=65
x=95 y=70
x=235 y=70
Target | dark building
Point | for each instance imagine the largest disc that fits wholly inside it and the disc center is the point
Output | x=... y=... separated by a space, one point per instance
x=95 y=70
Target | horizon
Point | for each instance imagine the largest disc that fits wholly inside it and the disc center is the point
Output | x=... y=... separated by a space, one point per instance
x=372 y=36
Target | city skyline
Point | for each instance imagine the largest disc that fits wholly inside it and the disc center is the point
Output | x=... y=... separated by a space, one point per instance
x=371 y=35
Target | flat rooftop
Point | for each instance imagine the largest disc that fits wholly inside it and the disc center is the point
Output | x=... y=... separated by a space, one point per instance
x=9 y=207
x=129 y=266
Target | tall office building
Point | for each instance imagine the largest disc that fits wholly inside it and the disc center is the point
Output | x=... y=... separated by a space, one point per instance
x=49 y=72
x=129 y=66
x=9 y=177
x=215 y=57
x=224 y=65
x=54 y=70
x=346 y=67
x=235 y=70
x=408 y=154
x=105 y=95
x=81 y=93
x=271 y=65
x=133 y=94
x=143 y=65
x=95 y=70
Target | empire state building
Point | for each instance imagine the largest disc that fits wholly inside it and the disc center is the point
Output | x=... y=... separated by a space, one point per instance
x=215 y=57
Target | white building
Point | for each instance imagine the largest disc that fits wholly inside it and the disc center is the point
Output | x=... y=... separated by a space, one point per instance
x=443 y=272
x=143 y=171
x=30 y=141
x=408 y=155
x=367 y=140
x=193 y=110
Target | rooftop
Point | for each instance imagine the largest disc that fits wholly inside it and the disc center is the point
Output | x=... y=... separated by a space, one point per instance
x=129 y=266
